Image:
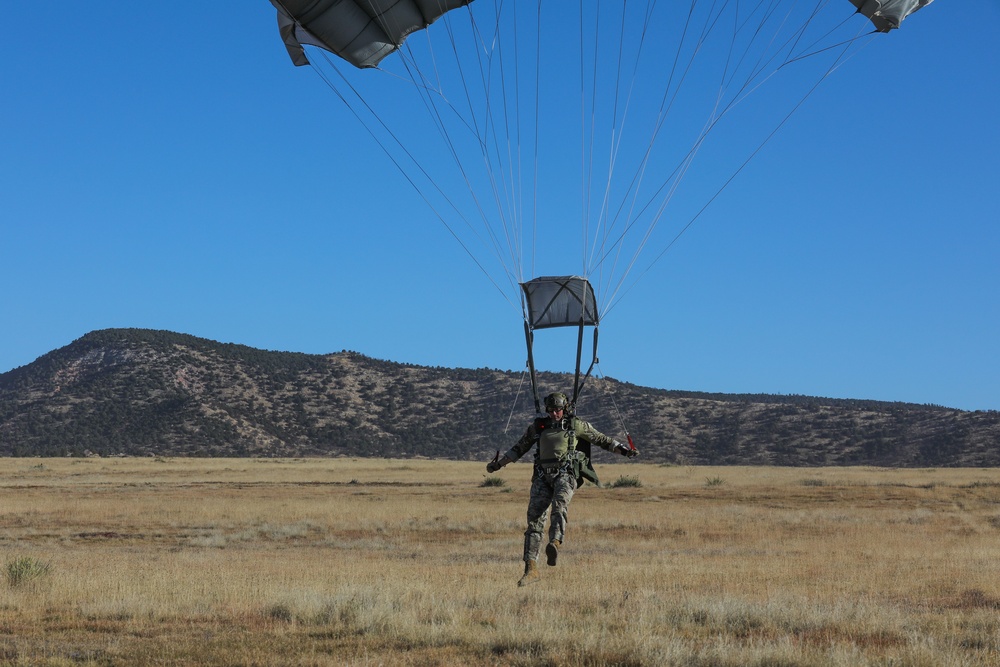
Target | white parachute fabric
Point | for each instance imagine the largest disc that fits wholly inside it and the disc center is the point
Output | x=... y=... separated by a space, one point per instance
x=887 y=15
x=559 y=301
x=362 y=32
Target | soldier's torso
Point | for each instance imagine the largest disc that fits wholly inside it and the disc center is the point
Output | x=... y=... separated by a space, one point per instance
x=556 y=438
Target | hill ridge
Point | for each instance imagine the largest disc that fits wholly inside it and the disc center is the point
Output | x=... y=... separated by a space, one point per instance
x=153 y=392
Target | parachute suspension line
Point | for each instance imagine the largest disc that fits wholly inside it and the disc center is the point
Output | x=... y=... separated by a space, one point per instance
x=588 y=145
x=502 y=186
x=617 y=132
x=482 y=134
x=513 y=117
x=421 y=88
x=504 y=190
x=605 y=208
x=512 y=242
x=534 y=169
x=790 y=45
x=684 y=165
x=591 y=241
x=427 y=95
x=583 y=150
x=489 y=132
x=666 y=106
x=847 y=43
x=617 y=298
x=614 y=403
x=406 y=175
x=513 y=405
x=675 y=177
x=665 y=109
x=516 y=176
x=601 y=236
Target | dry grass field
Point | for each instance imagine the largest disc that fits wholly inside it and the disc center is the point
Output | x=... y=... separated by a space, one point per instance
x=375 y=562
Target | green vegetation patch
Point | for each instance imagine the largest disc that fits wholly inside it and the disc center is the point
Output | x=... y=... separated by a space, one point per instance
x=26 y=570
x=625 y=481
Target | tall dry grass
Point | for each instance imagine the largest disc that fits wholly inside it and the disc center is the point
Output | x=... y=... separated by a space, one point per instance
x=362 y=562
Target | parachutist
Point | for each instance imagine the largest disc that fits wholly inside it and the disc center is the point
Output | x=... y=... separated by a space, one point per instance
x=562 y=463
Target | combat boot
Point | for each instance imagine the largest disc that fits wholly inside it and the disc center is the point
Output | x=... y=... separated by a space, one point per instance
x=552 y=551
x=530 y=573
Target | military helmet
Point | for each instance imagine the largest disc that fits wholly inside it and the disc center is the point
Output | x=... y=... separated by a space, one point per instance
x=556 y=401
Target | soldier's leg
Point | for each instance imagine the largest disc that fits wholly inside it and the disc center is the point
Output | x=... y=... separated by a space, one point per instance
x=562 y=493
x=538 y=506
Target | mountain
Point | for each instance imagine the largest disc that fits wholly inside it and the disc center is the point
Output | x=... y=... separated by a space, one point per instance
x=141 y=392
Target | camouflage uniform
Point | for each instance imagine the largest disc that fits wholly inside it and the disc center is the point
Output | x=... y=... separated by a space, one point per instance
x=558 y=464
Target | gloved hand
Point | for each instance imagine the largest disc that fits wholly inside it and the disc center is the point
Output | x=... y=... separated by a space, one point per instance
x=493 y=466
x=625 y=450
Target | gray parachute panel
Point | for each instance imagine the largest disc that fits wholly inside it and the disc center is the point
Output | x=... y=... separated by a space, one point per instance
x=361 y=32
x=560 y=301
x=886 y=15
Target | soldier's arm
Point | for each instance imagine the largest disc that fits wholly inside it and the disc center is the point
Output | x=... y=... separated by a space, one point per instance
x=519 y=449
x=522 y=446
x=592 y=435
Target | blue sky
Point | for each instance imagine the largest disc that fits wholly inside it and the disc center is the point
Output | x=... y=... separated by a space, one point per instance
x=164 y=166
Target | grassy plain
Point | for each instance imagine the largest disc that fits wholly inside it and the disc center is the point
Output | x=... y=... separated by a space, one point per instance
x=375 y=562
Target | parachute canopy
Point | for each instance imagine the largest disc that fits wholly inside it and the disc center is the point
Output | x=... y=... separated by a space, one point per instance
x=560 y=301
x=886 y=15
x=362 y=32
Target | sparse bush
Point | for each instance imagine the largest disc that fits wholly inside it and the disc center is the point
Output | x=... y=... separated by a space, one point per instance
x=494 y=481
x=25 y=570
x=980 y=485
x=714 y=481
x=813 y=482
x=280 y=612
x=624 y=481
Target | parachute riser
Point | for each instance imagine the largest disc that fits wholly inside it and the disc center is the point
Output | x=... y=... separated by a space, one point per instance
x=529 y=337
x=576 y=376
x=578 y=382
x=578 y=386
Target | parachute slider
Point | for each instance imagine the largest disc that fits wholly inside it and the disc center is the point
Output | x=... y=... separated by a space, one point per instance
x=560 y=301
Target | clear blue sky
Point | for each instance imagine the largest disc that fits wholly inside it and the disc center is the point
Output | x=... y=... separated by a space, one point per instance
x=164 y=166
